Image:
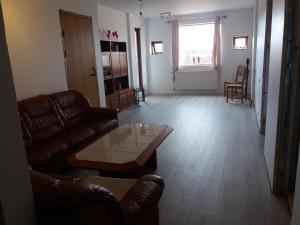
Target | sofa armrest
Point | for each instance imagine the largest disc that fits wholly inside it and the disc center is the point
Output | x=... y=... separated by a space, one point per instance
x=68 y=200
x=64 y=178
x=142 y=197
x=105 y=113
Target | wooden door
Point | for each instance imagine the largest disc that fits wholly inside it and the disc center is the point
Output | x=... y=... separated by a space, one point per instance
x=115 y=64
x=79 y=52
x=123 y=63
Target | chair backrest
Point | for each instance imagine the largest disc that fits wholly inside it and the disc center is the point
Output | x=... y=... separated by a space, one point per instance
x=241 y=74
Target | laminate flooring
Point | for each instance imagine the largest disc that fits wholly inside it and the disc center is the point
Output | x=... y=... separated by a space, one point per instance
x=212 y=163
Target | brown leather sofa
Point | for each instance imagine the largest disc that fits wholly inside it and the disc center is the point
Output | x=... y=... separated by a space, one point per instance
x=62 y=200
x=57 y=125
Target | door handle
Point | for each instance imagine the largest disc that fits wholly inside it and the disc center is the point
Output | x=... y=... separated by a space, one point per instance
x=92 y=75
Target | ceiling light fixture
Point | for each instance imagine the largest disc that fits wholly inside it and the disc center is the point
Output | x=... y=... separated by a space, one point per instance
x=141 y=5
x=166 y=17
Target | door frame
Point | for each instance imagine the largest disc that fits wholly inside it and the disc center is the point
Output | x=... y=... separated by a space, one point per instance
x=139 y=55
x=266 y=65
x=64 y=12
x=288 y=110
x=294 y=115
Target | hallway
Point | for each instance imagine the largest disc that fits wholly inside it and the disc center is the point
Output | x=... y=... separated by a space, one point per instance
x=212 y=162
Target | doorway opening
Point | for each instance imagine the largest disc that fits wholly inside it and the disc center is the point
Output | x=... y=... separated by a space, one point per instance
x=140 y=89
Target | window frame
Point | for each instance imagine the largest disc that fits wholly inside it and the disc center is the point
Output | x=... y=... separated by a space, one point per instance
x=235 y=37
x=153 y=48
x=196 y=67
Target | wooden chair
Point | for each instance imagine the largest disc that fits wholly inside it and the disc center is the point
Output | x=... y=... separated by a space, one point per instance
x=237 y=89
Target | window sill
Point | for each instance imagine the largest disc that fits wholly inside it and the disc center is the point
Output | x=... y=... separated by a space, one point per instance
x=195 y=68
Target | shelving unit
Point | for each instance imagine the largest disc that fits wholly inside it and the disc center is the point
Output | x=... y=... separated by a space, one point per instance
x=115 y=69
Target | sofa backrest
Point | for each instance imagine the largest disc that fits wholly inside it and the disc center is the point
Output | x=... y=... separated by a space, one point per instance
x=39 y=118
x=72 y=106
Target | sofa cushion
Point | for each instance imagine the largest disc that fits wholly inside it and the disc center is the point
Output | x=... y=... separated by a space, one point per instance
x=73 y=107
x=78 y=137
x=119 y=187
x=61 y=146
x=45 y=152
x=101 y=127
x=40 y=117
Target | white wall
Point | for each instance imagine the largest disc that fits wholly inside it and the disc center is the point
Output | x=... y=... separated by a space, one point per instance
x=35 y=44
x=260 y=51
x=160 y=66
x=16 y=201
x=114 y=20
x=276 y=51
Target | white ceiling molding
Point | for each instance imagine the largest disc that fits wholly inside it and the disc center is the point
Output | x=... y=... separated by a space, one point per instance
x=153 y=8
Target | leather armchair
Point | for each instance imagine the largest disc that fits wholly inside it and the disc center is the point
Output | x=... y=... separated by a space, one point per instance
x=62 y=200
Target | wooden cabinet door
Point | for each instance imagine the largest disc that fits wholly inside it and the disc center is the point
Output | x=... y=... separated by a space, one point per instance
x=79 y=51
x=123 y=101
x=115 y=64
x=123 y=63
x=130 y=97
x=115 y=101
x=108 y=105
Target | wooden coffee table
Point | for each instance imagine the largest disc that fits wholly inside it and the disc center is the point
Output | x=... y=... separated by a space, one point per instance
x=127 y=148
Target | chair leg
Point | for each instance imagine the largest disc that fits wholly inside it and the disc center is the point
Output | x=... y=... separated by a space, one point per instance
x=242 y=96
x=226 y=94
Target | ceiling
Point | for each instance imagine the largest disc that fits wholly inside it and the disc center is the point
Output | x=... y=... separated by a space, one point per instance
x=153 y=8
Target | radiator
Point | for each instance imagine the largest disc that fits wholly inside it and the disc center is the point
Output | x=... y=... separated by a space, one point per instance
x=196 y=80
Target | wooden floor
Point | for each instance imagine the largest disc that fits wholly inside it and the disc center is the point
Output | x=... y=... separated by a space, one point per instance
x=212 y=163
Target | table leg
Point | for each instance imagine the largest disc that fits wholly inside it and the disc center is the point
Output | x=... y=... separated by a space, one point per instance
x=153 y=161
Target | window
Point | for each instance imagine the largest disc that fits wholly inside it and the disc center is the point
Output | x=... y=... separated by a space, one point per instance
x=157 y=47
x=196 y=44
x=240 y=42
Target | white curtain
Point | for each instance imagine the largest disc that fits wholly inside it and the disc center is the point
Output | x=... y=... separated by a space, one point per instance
x=175 y=46
x=217 y=46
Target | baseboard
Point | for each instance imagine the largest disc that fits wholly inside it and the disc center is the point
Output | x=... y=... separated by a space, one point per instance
x=185 y=94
